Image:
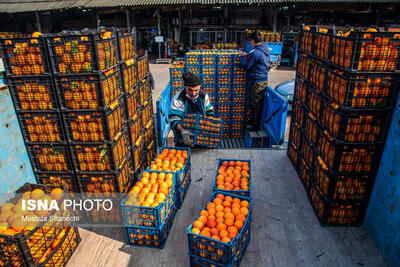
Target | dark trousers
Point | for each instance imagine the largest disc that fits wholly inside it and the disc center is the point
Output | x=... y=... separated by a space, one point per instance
x=256 y=101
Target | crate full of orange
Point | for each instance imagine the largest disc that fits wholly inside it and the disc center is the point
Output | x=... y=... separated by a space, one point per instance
x=233 y=176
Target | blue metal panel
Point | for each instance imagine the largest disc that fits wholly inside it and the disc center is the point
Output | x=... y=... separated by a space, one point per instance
x=163 y=106
x=382 y=220
x=275 y=48
x=273 y=117
x=15 y=166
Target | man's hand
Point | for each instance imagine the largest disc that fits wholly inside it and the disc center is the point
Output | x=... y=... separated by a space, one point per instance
x=241 y=53
x=186 y=137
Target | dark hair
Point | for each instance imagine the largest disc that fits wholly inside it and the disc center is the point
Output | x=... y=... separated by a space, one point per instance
x=256 y=37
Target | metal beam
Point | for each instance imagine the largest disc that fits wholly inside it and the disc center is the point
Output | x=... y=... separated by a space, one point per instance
x=128 y=21
x=38 y=21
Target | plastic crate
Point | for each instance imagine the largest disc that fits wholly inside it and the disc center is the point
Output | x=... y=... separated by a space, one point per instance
x=177 y=69
x=89 y=91
x=224 y=58
x=245 y=193
x=138 y=152
x=293 y=155
x=149 y=218
x=135 y=127
x=58 y=179
x=25 y=56
x=342 y=187
x=95 y=126
x=238 y=70
x=180 y=174
x=151 y=152
x=217 y=252
x=132 y=99
x=346 y=157
x=126 y=43
x=147 y=110
x=306 y=41
x=176 y=90
x=239 y=79
x=337 y=213
x=129 y=72
x=301 y=90
x=210 y=80
x=49 y=158
x=208 y=69
x=305 y=174
x=32 y=248
x=224 y=70
x=65 y=248
x=307 y=150
x=366 y=51
x=295 y=134
x=33 y=94
x=210 y=89
x=82 y=52
x=355 y=127
x=149 y=132
x=148 y=237
x=321 y=44
x=195 y=69
x=107 y=185
x=366 y=91
x=206 y=130
x=208 y=59
x=41 y=127
x=177 y=83
x=311 y=127
x=144 y=89
x=224 y=80
x=303 y=65
x=143 y=66
x=240 y=100
x=224 y=90
x=318 y=75
x=314 y=101
x=192 y=58
x=183 y=189
x=105 y=157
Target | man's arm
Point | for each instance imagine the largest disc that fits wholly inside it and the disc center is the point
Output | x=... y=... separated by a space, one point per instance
x=247 y=61
x=209 y=109
x=176 y=113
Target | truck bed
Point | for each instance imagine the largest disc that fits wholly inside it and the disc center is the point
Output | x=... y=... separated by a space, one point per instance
x=285 y=230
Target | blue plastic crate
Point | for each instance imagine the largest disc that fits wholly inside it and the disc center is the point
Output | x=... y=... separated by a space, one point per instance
x=209 y=69
x=217 y=252
x=199 y=261
x=239 y=99
x=183 y=188
x=224 y=59
x=149 y=218
x=206 y=130
x=275 y=48
x=238 y=70
x=175 y=90
x=209 y=88
x=246 y=193
x=208 y=59
x=195 y=69
x=208 y=80
x=148 y=237
x=239 y=79
x=192 y=59
x=224 y=80
x=224 y=70
x=180 y=174
x=176 y=73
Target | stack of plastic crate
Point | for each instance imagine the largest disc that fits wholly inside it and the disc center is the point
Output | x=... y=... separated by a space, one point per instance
x=345 y=93
x=34 y=95
x=224 y=86
x=90 y=90
x=176 y=71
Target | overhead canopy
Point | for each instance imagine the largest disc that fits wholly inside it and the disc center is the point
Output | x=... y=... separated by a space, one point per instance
x=15 y=6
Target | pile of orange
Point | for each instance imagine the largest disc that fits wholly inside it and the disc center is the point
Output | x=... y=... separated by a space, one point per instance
x=151 y=190
x=170 y=160
x=233 y=175
x=222 y=219
x=11 y=216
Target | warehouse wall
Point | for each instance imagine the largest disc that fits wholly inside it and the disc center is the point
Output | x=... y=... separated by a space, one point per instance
x=15 y=167
x=382 y=220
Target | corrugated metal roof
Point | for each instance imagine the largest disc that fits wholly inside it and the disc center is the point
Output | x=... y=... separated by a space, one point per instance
x=15 y=6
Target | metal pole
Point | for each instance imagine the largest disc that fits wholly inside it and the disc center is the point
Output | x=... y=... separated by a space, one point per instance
x=159 y=32
x=128 y=22
x=97 y=19
x=275 y=19
x=38 y=21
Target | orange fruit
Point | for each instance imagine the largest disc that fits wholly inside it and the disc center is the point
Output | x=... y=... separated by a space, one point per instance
x=219 y=207
x=238 y=163
x=244 y=211
x=220 y=214
x=223 y=233
x=229 y=222
x=244 y=203
x=226 y=204
x=227 y=210
x=225 y=163
x=220 y=186
x=214 y=231
x=37 y=193
x=228 y=198
x=216 y=237
x=220 y=196
x=231 y=163
x=217 y=201
x=238 y=224
x=220 y=220
x=205 y=233
x=198 y=224
x=146 y=174
x=203 y=219
x=226 y=240
x=210 y=205
x=232 y=235
x=195 y=230
x=221 y=226
x=236 y=211
x=204 y=213
x=56 y=193
x=211 y=212
x=211 y=223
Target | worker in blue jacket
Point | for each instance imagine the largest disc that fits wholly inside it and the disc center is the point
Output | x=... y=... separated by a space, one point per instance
x=189 y=100
x=256 y=64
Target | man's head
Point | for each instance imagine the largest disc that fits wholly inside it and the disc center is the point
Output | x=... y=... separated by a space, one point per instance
x=192 y=83
x=255 y=38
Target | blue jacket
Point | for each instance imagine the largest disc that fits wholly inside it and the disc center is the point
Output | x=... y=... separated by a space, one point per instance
x=256 y=63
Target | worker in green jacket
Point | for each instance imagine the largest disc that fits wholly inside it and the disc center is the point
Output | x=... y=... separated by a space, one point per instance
x=189 y=100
